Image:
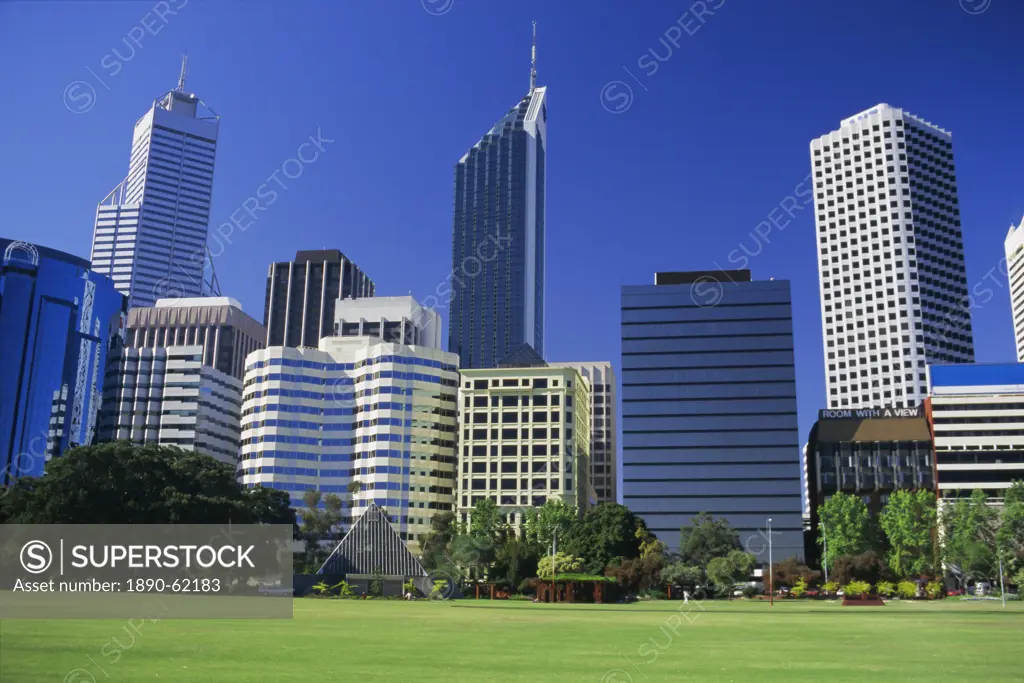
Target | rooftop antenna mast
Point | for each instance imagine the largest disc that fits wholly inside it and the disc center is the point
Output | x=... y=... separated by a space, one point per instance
x=533 y=60
x=184 y=72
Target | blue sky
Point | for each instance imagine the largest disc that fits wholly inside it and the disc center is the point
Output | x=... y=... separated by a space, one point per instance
x=710 y=144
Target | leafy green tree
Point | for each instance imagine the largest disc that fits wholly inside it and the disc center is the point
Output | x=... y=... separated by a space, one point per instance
x=908 y=521
x=605 y=532
x=486 y=520
x=847 y=527
x=320 y=520
x=515 y=560
x=435 y=545
x=968 y=533
x=564 y=564
x=1010 y=536
x=126 y=483
x=707 y=538
x=679 y=574
x=541 y=523
x=726 y=572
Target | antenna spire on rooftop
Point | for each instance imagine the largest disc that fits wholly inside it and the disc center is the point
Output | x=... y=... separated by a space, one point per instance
x=533 y=60
x=184 y=72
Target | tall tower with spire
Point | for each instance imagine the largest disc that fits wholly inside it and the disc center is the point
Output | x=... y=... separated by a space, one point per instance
x=151 y=230
x=497 y=303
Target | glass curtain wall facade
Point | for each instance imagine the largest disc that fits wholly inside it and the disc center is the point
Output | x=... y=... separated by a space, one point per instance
x=58 y=322
x=709 y=417
x=497 y=279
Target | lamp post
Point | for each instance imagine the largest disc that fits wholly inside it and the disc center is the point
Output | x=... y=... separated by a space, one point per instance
x=771 y=582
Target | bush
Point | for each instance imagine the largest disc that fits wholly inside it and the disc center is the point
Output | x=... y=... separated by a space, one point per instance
x=830 y=587
x=907 y=589
x=751 y=591
x=886 y=589
x=933 y=589
x=440 y=586
x=655 y=594
x=857 y=589
x=799 y=588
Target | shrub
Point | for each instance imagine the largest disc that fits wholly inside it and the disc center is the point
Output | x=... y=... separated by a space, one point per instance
x=751 y=591
x=857 y=589
x=907 y=589
x=933 y=589
x=439 y=588
x=409 y=587
x=886 y=589
x=830 y=587
x=799 y=588
x=345 y=590
x=655 y=594
x=320 y=589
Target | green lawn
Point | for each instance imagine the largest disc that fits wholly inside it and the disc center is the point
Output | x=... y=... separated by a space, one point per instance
x=471 y=642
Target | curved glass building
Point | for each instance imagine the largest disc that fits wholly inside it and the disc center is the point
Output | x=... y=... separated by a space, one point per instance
x=58 y=320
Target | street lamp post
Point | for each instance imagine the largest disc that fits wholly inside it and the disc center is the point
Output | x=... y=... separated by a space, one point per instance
x=554 y=547
x=771 y=582
x=824 y=551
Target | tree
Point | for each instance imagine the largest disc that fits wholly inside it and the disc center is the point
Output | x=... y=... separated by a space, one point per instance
x=868 y=566
x=908 y=521
x=515 y=560
x=606 y=531
x=486 y=521
x=707 y=538
x=435 y=545
x=541 y=523
x=637 y=573
x=320 y=519
x=1010 y=536
x=847 y=527
x=726 y=572
x=683 y=575
x=564 y=564
x=968 y=533
x=790 y=571
x=125 y=483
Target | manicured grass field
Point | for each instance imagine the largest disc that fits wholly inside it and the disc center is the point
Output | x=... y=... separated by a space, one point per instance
x=471 y=642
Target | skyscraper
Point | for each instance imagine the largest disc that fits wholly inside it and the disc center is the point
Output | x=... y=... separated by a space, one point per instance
x=498 y=237
x=890 y=257
x=709 y=407
x=58 y=322
x=302 y=294
x=151 y=230
x=1014 y=246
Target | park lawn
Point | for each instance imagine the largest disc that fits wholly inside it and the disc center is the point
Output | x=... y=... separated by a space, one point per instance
x=475 y=641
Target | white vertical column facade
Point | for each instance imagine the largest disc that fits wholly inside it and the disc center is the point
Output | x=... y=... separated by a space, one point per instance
x=1014 y=246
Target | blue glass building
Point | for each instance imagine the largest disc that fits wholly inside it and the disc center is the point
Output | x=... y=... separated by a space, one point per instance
x=497 y=279
x=709 y=417
x=57 y=322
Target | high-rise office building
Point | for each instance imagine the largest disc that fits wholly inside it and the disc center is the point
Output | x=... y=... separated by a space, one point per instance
x=226 y=333
x=497 y=274
x=302 y=294
x=890 y=257
x=603 y=427
x=58 y=322
x=525 y=438
x=1014 y=246
x=356 y=410
x=709 y=419
x=151 y=230
x=976 y=414
x=168 y=395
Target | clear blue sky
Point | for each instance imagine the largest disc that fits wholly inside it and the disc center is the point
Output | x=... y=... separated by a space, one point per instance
x=711 y=143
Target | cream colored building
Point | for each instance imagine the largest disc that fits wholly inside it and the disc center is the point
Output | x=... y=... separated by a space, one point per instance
x=524 y=438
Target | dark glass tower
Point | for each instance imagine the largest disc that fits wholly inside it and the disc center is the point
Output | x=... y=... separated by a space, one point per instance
x=709 y=407
x=301 y=294
x=498 y=238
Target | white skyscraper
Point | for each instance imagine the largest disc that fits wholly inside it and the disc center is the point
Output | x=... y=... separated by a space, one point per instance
x=890 y=257
x=151 y=230
x=1015 y=271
